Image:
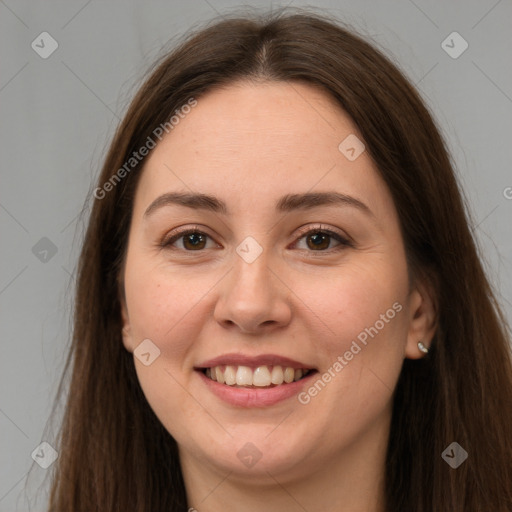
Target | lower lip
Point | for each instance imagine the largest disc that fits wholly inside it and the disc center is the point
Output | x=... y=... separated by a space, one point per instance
x=254 y=397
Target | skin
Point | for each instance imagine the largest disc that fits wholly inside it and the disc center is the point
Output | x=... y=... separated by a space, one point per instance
x=249 y=144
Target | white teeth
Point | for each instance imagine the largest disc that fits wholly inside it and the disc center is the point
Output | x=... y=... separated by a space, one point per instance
x=289 y=374
x=219 y=375
x=277 y=375
x=262 y=376
x=244 y=376
x=229 y=375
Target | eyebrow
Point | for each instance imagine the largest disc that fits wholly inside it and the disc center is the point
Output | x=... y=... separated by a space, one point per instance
x=287 y=203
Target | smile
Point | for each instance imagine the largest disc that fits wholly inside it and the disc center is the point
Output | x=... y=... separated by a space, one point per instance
x=248 y=380
x=264 y=376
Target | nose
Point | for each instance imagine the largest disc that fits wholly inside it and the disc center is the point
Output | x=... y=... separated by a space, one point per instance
x=253 y=298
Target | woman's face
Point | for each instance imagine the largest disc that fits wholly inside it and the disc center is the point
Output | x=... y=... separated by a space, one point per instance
x=299 y=264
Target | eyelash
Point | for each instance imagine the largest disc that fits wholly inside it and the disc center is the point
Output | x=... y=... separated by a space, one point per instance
x=344 y=242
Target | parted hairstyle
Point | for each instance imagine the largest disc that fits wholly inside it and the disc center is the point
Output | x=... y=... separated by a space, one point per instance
x=115 y=455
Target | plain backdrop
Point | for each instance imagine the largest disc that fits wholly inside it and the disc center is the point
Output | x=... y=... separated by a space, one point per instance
x=58 y=112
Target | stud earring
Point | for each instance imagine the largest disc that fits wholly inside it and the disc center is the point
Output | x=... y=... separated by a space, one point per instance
x=422 y=347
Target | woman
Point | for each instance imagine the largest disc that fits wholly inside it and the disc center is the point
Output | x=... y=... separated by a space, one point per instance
x=279 y=302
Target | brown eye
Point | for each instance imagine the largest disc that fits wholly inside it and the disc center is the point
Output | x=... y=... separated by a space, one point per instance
x=317 y=240
x=193 y=240
x=320 y=240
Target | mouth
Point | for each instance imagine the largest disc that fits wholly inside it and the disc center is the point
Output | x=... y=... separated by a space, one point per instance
x=260 y=377
x=244 y=380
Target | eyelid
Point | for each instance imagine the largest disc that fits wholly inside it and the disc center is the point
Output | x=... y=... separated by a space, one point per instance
x=179 y=232
x=324 y=229
x=342 y=238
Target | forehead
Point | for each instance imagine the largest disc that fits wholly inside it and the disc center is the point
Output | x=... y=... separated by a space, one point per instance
x=287 y=119
x=250 y=143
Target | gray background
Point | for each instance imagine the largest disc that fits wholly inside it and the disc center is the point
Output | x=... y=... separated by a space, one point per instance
x=58 y=115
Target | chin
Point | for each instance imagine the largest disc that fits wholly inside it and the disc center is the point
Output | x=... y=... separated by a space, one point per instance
x=257 y=454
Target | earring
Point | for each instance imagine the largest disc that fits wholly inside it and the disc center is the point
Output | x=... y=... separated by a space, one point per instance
x=422 y=347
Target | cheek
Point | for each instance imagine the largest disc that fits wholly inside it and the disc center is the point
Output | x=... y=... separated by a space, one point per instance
x=163 y=305
x=169 y=310
x=362 y=318
x=357 y=304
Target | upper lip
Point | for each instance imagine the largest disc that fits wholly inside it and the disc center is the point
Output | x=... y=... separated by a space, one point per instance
x=253 y=361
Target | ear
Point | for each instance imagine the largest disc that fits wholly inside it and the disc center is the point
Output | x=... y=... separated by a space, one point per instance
x=422 y=321
x=127 y=330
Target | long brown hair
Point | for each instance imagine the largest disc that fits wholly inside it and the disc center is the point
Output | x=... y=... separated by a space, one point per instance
x=115 y=455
